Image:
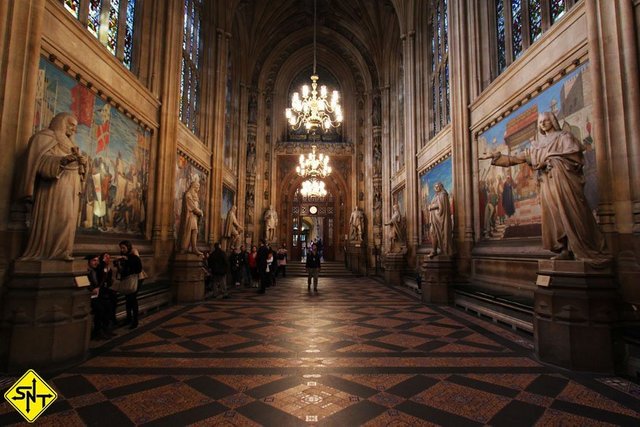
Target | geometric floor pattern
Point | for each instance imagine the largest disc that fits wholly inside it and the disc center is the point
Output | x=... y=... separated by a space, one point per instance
x=356 y=353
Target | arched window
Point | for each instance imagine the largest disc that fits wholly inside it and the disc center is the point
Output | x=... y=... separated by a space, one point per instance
x=519 y=23
x=439 y=86
x=191 y=59
x=110 y=21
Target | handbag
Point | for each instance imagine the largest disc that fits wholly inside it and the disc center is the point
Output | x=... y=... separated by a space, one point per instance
x=128 y=285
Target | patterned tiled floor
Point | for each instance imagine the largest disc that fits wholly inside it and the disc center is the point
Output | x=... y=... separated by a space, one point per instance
x=357 y=353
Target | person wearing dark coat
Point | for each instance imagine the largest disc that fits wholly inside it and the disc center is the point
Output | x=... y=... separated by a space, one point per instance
x=218 y=266
x=262 y=264
x=313 y=268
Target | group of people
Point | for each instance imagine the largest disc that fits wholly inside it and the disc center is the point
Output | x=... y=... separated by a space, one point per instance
x=105 y=283
x=256 y=268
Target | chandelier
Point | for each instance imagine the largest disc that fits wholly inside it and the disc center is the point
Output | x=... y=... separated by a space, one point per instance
x=313 y=188
x=313 y=166
x=313 y=111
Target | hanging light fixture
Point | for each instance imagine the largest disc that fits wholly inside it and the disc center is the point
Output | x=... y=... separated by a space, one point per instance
x=313 y=166
x=313 y=111
x=313 y=188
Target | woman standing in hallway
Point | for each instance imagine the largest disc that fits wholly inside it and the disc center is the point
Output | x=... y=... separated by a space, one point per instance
x=129 y=267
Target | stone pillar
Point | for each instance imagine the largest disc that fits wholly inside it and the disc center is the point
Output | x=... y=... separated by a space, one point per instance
x=411 y=146
x=46 y=316
x=188 y=278
x=574 y=308
x=357 y=255
x=394 y=263
x=437 y=276
x=461 y=77
x=165 y=161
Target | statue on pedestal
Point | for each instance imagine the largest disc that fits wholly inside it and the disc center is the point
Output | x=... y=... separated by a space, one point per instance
x=232 y=228
x=440 y=222
x=396 y=230
x=356 y=224
x=52 y=179
x=189 y=219
x=270 y=223
x=568 y=226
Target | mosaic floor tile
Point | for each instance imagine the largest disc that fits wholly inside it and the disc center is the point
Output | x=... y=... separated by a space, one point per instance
x=341 y=358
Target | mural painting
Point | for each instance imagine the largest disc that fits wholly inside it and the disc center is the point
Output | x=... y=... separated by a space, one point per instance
x=115 y=192
x=440 y=172
x=228 y=199
x=187 y=172
x=509 y=205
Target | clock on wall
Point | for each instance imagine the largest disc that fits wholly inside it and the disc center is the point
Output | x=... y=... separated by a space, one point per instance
x=313 y=210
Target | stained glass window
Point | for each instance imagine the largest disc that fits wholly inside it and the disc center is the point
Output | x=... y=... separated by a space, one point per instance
x=128 y=37
x=535 y=19
x=73 y=6
x=112 y=33
x=557 y=9
x=110 y=21
x=439 y=114
x=190 y=72
x=501 y=47
x=93 y=23
x=519 y=23
x=516 y=27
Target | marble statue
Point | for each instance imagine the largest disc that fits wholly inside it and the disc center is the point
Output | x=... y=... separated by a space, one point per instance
x=568 y=226
x=270 y=223
x=356 y=224
x=440 y=222
x=189 y=219
x=396 y=231
x=52 y=179
x=232 y=228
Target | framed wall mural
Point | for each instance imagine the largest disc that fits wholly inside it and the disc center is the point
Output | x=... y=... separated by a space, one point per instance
x=509 y=205
x=187 y=171
x=228 y=198
x=439 y=172
x=114 y=196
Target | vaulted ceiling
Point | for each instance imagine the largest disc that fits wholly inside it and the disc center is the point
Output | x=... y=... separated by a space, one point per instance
x=354 y=36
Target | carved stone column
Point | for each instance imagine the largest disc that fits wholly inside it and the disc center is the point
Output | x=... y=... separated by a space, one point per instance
x=574 y=309
x=460 y=122
x=167 y=136
x=613 y=57
x=46 y=316
x=410 y=146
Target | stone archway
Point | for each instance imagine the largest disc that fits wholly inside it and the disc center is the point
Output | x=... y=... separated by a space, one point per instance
x=295 y=210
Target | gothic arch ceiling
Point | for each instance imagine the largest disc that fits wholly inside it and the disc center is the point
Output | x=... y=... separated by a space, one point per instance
x=268 y=28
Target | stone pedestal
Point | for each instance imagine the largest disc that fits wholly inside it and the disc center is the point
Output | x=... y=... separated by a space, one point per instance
x=357 y=256
x=394 y=263
x=46 y=316
x=574 y=308
x=437 y=276
x=188 y=278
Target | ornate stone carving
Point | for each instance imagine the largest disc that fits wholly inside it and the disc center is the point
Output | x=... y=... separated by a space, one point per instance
x=189 y=219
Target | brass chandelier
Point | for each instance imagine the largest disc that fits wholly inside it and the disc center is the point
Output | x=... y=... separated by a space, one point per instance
x=313 y=166
x=313 y=188
x=313 y=110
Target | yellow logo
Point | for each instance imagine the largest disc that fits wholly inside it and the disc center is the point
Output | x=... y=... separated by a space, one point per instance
x=30 y=395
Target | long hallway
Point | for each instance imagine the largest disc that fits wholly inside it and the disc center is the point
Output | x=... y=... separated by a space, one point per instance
x=356 y=353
